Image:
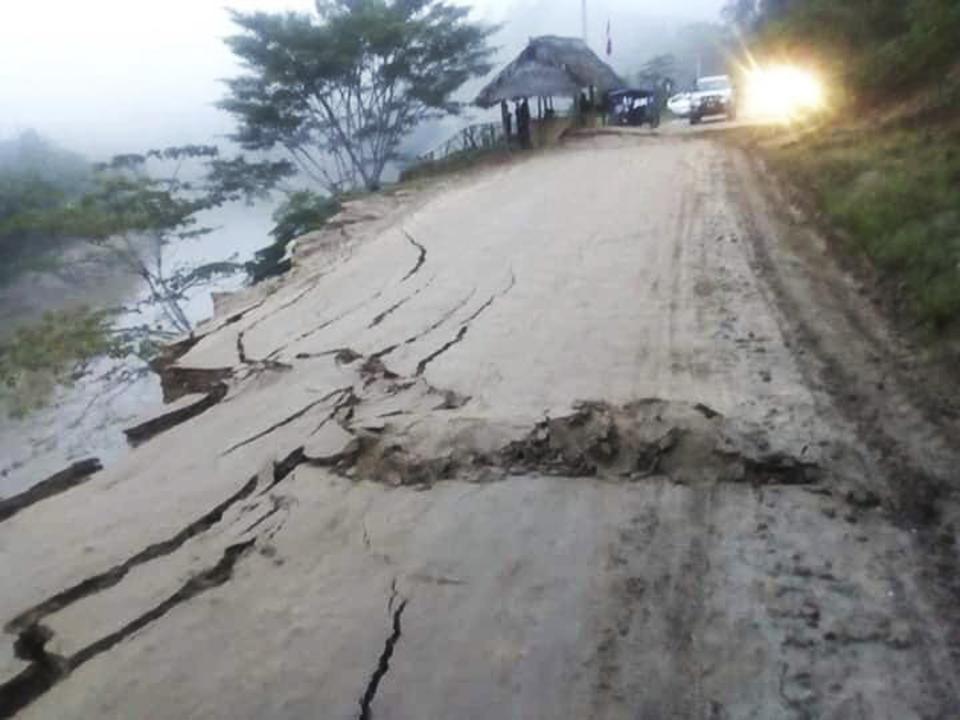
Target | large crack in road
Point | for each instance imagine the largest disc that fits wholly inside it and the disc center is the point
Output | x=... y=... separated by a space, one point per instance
x=465 y=326
x=421 y=256
x=108 y=578
x=607 y=449
x=383 y=662
x=46 y=670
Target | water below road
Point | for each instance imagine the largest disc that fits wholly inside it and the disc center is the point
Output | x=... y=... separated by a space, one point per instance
x=87 y=419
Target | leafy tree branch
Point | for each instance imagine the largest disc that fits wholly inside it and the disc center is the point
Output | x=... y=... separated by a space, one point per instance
x=339 y=91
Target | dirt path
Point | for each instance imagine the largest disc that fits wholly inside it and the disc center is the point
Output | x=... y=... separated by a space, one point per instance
x=593 y=435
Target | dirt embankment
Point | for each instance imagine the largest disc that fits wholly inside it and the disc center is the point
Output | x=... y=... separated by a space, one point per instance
x=882 y=191
x=602 y=433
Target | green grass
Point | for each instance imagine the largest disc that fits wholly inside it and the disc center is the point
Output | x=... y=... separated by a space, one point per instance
x=896 y=193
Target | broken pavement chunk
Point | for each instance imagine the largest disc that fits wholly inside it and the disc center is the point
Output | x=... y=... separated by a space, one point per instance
x=330 y=445
x=186 y=408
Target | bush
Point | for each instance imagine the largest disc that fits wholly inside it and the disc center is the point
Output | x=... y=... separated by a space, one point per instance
x=300 y=213
x=35 y=176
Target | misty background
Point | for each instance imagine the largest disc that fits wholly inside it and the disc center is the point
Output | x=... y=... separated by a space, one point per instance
x=83 y=81
x=110 y=76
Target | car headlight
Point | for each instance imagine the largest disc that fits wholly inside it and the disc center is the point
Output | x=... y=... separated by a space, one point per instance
x=783 y=91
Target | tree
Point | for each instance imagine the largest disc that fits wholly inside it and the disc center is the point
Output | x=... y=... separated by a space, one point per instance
x=748 y=14
x=131 y=216
x=741 y=13
x=657 y=70
x=340 y=91
x=128 y=211
x=34 y=175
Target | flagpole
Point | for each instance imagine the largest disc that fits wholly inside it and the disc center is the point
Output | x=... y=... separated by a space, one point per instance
x=583 y=4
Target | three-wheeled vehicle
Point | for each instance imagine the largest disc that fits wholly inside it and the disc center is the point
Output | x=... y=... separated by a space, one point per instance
x=634 y=107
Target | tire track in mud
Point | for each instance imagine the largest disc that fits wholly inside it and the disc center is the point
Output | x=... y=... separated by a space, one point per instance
x=686 y=241
x=660 y=571
x=684 y=616
x=837 y=373
x=920 y=497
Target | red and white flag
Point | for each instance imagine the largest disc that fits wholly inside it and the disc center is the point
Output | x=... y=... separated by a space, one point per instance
x=609 y=40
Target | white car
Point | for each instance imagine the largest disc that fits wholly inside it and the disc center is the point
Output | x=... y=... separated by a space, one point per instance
x=713 y=96
x=679 y=104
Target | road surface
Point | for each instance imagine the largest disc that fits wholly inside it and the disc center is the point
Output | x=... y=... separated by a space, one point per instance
x=599 y=433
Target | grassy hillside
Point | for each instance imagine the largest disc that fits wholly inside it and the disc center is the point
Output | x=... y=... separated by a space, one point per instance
x=876 y=50
x=895 y=191
x=885 y=168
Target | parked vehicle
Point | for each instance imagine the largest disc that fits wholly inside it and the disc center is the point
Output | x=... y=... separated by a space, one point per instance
x=713 y=95
x=634 y=107
x=679 y=104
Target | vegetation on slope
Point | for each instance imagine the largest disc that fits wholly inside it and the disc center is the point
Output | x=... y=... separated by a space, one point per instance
x=35 y=176
x=55 y=351
x=302 y=212
x=875 y=49
x=886 y=170
x=896 y=194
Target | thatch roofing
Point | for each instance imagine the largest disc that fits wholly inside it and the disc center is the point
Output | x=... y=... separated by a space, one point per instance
x=550 y=66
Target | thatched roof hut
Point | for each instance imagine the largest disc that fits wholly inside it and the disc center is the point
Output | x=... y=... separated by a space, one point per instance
x=550 y=66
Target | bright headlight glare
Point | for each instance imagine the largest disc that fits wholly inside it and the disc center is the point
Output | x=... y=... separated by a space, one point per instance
x=782 y=91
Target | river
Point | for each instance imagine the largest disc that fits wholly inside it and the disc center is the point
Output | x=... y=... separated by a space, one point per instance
x=87 y=418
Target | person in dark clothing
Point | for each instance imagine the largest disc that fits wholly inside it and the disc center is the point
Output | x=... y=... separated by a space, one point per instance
x=584 y=103
x=523 y=123
x=507 y=120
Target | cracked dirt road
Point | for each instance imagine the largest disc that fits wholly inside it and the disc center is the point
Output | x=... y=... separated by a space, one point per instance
x=592 y=435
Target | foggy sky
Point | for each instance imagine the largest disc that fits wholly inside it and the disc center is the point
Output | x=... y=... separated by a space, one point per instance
x=110 y=76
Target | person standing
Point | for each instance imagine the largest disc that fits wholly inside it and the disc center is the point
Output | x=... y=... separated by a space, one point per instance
x=507 y=120
x=523 y=124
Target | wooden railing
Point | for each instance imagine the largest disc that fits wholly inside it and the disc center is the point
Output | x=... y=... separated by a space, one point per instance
x=482 y=136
